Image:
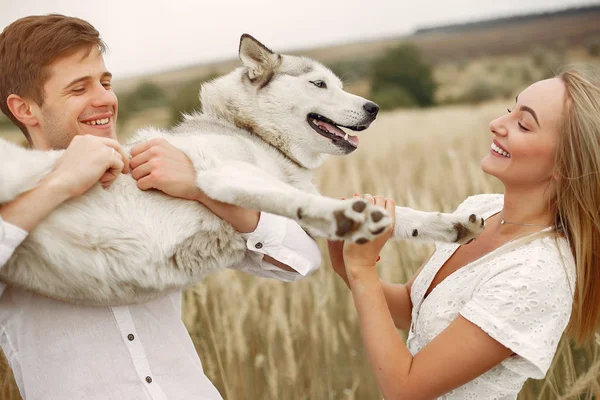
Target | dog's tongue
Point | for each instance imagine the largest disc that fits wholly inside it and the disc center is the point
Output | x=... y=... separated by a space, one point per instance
x=338 y=132
x=331 y=128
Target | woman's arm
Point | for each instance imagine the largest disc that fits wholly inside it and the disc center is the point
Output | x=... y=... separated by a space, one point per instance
x=397 y=295
x=459 y=354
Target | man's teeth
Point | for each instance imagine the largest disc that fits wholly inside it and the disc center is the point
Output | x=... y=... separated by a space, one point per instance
x=102 y=121
x=500 y=151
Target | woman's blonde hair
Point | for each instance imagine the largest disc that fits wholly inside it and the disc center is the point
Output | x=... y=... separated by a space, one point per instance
x=577 y=204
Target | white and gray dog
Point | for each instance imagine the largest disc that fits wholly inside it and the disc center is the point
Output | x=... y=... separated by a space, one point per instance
x=263 y=128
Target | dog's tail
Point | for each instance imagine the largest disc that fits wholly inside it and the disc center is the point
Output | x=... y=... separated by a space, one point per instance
x=21 y=169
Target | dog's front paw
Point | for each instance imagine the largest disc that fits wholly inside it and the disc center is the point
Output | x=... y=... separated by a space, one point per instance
x=450 y=228
x=359 y=221
x=467 y=227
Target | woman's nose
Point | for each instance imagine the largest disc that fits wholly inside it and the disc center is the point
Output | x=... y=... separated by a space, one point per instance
x=498 y=126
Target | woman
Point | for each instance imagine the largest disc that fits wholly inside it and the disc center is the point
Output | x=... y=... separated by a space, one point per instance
x=485 y=317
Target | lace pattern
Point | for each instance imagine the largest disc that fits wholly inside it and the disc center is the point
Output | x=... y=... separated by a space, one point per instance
x=520 y=294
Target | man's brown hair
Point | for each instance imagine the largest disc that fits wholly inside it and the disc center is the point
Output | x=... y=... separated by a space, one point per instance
x=27 y=48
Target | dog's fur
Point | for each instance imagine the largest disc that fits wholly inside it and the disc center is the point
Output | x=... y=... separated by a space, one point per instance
x=254 y=145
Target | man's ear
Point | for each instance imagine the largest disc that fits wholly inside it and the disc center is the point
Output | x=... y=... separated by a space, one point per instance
x=260 y=60
x=21 y=109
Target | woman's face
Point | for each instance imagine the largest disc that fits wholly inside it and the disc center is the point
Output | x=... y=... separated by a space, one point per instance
x=525 y=140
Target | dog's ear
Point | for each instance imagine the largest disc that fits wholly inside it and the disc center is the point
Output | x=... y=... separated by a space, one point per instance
x=260 y=61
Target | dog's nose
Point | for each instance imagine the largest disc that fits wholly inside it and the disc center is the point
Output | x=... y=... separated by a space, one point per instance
x=371 y=108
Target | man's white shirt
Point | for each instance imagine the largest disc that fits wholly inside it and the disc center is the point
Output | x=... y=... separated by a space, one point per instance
x=63 y=351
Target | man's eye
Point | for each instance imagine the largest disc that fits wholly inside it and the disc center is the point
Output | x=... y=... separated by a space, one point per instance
x=106 y=85
x=78 y=90
x=319 y=84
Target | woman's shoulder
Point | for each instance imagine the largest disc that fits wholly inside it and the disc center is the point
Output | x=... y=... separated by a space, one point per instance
x=546 y=259
x=482 y=203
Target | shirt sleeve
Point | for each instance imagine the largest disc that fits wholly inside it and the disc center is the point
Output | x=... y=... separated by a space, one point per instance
x=285 y=241
x=11 y=236
x=526 y=308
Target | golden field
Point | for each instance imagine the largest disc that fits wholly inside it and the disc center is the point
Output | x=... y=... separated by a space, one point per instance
x=264 y=339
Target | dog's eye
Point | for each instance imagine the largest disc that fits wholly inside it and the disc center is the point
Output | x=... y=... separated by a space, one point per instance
x=319 y=84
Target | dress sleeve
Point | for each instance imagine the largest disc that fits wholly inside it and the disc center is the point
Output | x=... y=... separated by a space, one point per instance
x=526 y=308
x=285 y=241
x=11 y=236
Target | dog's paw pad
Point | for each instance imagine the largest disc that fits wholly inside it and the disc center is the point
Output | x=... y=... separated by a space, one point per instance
x=378 y=231
x=376 y=216
x=344 y=224
x=359 y=206
x=469 y=229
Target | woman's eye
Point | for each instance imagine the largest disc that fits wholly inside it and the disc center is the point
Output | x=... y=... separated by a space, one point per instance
x=509 y=110
x=523 y=128
x=319 y=84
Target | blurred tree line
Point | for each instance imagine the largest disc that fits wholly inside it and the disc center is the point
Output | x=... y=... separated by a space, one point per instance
x=185 y=99
x=402 y=77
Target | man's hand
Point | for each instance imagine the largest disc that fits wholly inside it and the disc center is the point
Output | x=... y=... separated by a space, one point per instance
x=88 y=160
x=157 y=164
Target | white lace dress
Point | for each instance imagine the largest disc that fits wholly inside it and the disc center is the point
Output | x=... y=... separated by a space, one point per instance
x=520 y=294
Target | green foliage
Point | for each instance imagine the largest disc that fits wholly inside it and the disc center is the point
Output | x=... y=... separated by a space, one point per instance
x=479 y=91
x=5 y=122
x=145 y=96
x=538 y=56
x=393 y=97
x=187 y=99
x=593 y=47
x=351 y=70
x=548 y=62
x=404 y=67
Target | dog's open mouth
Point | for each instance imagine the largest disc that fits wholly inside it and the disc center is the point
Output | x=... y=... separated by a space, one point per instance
x=326 y=127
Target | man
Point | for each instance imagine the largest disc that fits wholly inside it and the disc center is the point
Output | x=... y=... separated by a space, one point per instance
x=55 y=87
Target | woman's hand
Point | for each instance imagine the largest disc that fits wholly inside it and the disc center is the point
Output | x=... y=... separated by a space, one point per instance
x=336 y=248
x=366 y=255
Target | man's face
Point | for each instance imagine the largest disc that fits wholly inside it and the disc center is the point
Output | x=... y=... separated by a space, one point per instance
x=79 y=100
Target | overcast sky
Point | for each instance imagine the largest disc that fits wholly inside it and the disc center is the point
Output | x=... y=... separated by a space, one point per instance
x=154 y=35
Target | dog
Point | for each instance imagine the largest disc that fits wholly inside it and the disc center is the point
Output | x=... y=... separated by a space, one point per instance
x=263 y=128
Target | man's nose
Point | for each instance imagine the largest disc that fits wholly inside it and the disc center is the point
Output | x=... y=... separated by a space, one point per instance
x=104 y=97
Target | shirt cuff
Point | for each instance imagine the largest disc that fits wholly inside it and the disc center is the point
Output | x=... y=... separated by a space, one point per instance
x=276 y=237
x=11 y=235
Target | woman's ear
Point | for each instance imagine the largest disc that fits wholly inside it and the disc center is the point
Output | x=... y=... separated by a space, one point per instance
x=21 y=109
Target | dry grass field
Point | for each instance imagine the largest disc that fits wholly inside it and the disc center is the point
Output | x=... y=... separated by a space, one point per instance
x=268 y=340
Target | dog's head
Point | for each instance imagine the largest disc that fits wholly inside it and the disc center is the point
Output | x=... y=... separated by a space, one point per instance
x=294 y=103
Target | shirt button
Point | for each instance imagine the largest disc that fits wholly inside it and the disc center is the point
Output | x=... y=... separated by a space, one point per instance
x=148 y=379
x=130 y=337
x=258 y=245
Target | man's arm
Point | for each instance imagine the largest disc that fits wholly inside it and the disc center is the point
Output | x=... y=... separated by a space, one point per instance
x=87 y=161
x=10 y=237
x=242 y=220
x=157 y=164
